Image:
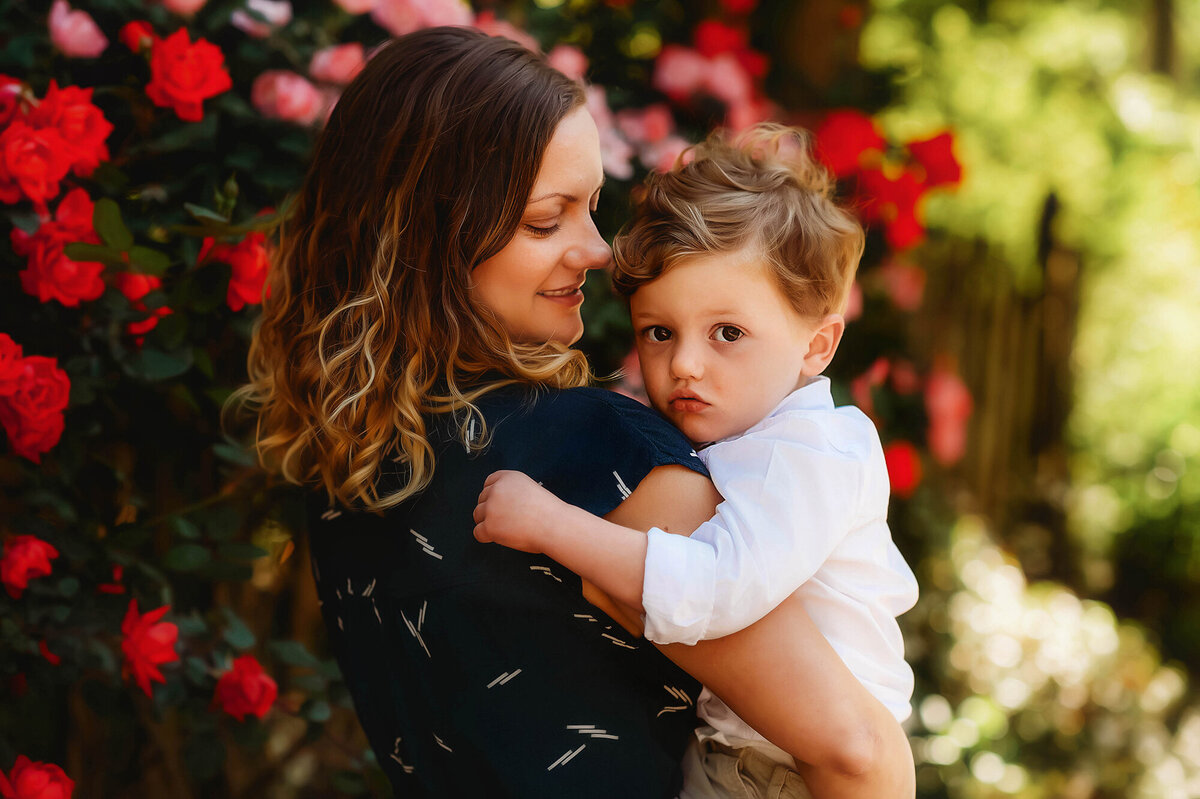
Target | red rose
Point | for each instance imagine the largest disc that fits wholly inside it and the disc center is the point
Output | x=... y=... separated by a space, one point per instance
x=739 y=6
x=31 y=780
x=936 y=157
x=10 y=364
x=51 y=275
x=245 y=688
x=249 y=260
x=183 y=74
x=31 y=438
x=42 y=388
x=32 y=162
x=137 y=35
x=148 y=643
x=893 y=201
x=70 y=112
x=25 y=557
x=904 y=467
x=115 y=587
x=52 y=658
x=845 y=138
x=713 y=38
x=136 y=286
x=11 y=99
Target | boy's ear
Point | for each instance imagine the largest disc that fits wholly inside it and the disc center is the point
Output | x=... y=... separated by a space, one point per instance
x=827 y=335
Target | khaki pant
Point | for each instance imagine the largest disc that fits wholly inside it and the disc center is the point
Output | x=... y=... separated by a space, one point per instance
x=712 y=770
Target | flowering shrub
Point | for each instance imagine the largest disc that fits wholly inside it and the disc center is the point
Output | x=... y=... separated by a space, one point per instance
x=142 y=152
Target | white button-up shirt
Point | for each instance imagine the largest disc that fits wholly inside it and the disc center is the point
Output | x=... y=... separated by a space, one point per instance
x=806 y=495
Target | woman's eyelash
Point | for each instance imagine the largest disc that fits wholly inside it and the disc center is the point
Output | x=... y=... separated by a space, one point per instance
x=542 y=232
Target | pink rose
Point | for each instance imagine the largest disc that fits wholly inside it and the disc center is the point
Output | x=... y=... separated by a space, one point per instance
x=399 y=17
x=726 y=79
x=75 y=33
x=487 y=22
x=569 y=60
x=338 y=64
x=679 y=71
x=184 y=8
x=356 y=6
x=274 y=13
x=904 y=283
x=948 y=405
x=615 y=152
x=280 y=94
x=742 y=115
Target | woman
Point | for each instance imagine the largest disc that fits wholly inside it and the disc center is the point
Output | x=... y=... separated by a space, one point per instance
x=415 y=340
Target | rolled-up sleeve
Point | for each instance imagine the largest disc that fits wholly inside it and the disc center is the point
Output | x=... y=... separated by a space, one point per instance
x=792 y=493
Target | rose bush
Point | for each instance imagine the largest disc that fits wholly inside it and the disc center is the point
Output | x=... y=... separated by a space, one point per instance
x=143 y=149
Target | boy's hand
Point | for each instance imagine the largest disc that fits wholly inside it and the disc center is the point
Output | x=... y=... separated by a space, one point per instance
x=515 y=511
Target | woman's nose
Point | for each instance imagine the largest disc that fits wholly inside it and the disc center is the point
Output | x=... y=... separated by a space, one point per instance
x=590 y=252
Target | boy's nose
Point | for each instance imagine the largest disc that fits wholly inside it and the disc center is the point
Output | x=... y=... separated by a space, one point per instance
x=686 y=363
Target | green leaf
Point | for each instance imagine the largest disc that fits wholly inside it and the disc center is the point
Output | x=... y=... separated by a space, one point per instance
x=203 y=362
x=241 y=551
x=192 y=625
x=316 y=710
x=150 y=261
x=156 y=365
x=186 y=557
x=68 y=587
x=237 y=634
x=110 y=226
x=185 y=135
x=293 y=653
x=185 y=527
x=196 y=670
x=82 y=251
x=233 y=453
x=200 y=213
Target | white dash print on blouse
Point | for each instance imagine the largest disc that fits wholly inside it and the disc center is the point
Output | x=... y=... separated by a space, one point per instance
x=367 y=591
x=587 y=617
x=416 y=630
x=396 y=756
x=565 y=758
x=331 y=514
x=621 y=487
x=426 y=547
x=678 y=694
x=617 y=641
x=503 y=678
x=442 y=743
x=545 y=570
x=592 y=731
x=349 y=587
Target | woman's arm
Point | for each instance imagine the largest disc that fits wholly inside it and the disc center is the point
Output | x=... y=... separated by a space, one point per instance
x=780 y=674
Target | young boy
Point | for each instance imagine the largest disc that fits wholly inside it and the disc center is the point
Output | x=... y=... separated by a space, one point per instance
x=737 y=267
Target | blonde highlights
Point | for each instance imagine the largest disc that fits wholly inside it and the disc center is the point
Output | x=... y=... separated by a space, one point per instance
x=761 y=189
x=368 y=329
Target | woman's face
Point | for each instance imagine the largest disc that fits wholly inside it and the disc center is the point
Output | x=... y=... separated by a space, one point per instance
x=535 y=283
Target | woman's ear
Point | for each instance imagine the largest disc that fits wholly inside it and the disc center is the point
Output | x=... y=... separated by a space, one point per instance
x=826 y=336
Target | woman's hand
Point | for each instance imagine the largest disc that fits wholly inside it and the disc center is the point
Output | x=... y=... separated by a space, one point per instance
x=516 y=512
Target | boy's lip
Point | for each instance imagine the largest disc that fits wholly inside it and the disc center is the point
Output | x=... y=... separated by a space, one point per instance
x=686 y=401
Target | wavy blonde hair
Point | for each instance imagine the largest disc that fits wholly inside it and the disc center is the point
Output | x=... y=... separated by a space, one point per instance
x=761 y=188
x=422 y=172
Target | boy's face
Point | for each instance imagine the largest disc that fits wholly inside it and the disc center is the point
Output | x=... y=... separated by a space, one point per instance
x=719 y=344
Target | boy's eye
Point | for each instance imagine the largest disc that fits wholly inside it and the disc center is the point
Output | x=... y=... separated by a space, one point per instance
x=729 y=333
x=657 y=333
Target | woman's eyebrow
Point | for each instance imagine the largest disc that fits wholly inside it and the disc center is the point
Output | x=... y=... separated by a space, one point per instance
x=571 y=198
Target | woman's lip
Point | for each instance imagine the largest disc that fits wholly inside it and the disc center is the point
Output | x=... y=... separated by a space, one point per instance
x=569 y=299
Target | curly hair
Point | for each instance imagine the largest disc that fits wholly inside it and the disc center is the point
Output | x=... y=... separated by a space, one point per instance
x=422 y=172
x=761 y=189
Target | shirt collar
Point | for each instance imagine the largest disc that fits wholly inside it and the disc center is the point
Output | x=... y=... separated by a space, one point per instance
x=815 y=395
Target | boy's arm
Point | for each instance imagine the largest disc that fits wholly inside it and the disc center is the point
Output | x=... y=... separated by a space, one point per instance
x=515 y=511
x=791 y=498
x=779 y=674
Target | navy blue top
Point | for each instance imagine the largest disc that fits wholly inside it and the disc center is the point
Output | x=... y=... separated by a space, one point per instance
x=478 y=670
